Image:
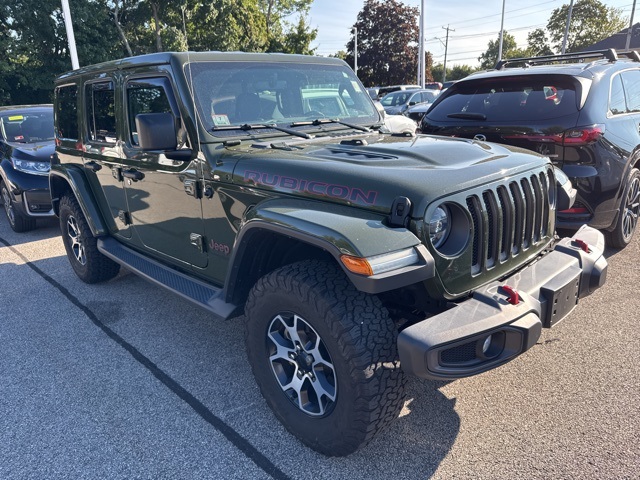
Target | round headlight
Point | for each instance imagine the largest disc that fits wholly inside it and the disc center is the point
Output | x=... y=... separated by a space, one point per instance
x=439 y=226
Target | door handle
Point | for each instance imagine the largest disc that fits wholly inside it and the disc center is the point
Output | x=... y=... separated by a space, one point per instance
x=133 y=174
x=93 y=166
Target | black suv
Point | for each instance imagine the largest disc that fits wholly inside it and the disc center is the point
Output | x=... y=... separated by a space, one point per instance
x=26 y=145
x=584 y=115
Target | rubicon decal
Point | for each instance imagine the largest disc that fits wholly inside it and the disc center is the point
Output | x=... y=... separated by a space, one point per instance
x=355 y=195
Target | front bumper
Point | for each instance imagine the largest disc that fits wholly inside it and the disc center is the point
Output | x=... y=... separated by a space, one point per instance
x=504 y=319
x=30 y=193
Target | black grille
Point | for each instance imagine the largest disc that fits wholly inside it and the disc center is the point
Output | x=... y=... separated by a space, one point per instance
x=509 y=220
x=460 y=354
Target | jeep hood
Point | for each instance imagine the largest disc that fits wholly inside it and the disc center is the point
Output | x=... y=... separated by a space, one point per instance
x=371 y=171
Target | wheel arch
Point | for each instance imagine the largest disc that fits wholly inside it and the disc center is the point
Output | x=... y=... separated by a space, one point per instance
x=281 y=233
x=73 y=181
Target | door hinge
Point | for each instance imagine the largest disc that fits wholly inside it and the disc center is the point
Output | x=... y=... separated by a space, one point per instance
x=193 y=188
x=197 y=241
x=125 y=217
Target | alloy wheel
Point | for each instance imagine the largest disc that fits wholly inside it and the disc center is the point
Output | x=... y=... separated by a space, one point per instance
x=8 y=205
x=77 y=247
x=631 y=209
x=301 y=364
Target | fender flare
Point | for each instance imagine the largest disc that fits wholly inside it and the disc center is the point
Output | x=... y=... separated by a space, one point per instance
x=74 y=179
x=339 y=231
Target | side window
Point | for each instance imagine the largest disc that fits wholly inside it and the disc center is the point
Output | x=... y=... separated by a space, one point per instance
x=631 y=82
x=101 y=112
x=67 y=112
x=146 y=96
x=617 y=104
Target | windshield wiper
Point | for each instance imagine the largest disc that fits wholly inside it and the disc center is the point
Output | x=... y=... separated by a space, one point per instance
x=320 y=121
x=248 y=126
x=468 y=116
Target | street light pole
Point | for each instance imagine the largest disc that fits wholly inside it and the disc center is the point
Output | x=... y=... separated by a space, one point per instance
x=421 y=66
x=355 y=50
x=566 y=30
x=501 y=32
x=630 y=31
x=66 y=13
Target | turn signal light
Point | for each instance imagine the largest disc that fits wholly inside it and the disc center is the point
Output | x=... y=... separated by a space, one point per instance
x=357 y=265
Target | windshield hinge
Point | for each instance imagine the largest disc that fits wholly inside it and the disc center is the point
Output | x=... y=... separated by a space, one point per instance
x=400 y=210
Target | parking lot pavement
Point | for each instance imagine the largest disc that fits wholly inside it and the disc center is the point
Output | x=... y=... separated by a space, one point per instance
x=123 y=380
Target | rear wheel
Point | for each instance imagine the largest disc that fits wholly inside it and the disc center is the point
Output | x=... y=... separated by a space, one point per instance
x=18 y=221
x=81 y=246
x=324 y=356
x=627 y=221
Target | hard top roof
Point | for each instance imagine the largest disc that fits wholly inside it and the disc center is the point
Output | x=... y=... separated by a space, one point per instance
x=166 y=58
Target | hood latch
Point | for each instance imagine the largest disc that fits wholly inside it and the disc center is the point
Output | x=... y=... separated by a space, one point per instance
x=400 y=210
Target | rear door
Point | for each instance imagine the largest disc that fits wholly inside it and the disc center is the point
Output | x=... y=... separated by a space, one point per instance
x=102 y=155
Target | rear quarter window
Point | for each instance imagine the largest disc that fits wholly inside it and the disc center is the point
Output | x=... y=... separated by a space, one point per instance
x=496 y=101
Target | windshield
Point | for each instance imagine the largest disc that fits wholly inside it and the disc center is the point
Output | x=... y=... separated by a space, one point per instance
x=241 y=93
x=28 y=126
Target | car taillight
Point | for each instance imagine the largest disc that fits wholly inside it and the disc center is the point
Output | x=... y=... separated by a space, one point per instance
x=573 y=137
x=582 y=135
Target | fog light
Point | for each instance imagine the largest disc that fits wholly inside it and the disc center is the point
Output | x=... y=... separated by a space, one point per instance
x=486 y=344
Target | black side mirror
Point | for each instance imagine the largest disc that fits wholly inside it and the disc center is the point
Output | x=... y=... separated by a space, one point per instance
x=156 y=131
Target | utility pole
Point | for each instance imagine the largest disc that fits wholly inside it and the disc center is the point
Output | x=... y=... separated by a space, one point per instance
x=446 y=47
x=630 y=31
x=566 y=30
x=502 y=32
x=355 y=50
x=66 y=13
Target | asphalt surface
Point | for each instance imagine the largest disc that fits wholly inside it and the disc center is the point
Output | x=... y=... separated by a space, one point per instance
x=124 y=380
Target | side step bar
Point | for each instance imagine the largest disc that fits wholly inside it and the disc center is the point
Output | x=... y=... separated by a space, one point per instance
x=201 y=293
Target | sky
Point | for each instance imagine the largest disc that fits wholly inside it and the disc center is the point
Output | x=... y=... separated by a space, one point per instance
x=472 y=23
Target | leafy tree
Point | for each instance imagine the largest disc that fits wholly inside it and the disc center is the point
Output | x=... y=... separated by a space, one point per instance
x=510 y=49
x=591 y=21
x=35 y=47
x=456 y=73
x=538 y=44
x=387 y=43
x=281 y=36
x=296 y=40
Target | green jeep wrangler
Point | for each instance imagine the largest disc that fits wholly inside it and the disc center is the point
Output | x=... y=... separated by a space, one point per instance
x=267 y=184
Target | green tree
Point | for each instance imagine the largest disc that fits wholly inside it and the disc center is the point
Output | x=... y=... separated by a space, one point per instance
x=387 y=43
x=538 y=43
x=510 y=49
x=591 y=21
x=35 y=47
x=297 y=40
x=457 y=72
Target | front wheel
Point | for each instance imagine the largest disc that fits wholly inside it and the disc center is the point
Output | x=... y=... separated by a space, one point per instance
x=324 y=356
x=81 y=246
x=627 y=221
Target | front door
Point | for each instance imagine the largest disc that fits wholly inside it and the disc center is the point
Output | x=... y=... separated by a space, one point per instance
x=162 y=194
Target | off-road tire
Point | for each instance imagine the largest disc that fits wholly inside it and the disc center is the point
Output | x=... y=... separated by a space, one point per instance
x=18 y=221
x=81 y=246
x=360 y=339
x=627 y=221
